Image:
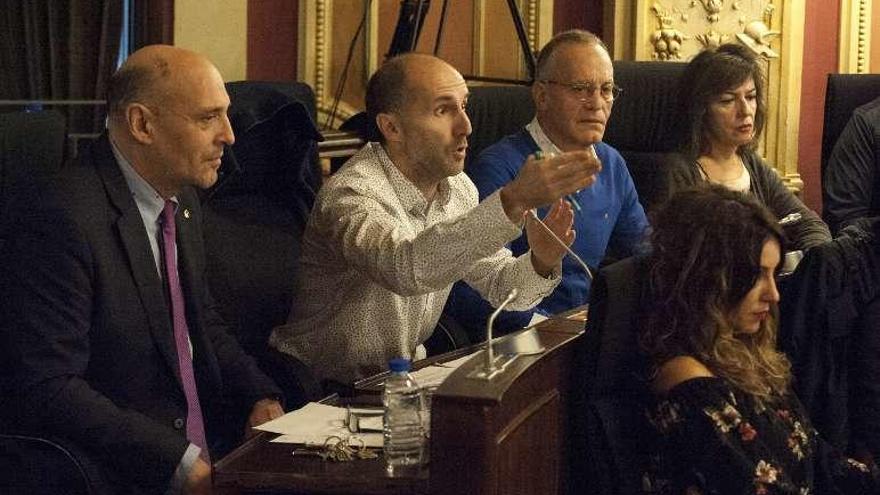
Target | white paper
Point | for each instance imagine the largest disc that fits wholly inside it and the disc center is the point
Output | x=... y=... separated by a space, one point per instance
x=313 y=423
x=536 y=318
x=432 y=376
x=457 y=362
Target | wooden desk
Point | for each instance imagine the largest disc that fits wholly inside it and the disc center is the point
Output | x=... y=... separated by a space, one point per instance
x=502 y=436
x=260 y=465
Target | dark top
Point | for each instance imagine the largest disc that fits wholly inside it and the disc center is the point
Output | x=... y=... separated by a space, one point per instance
x=719 y=439
x=851 y=178
x=769 y=189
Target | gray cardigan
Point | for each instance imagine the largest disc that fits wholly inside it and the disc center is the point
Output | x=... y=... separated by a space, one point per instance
x=769 y=189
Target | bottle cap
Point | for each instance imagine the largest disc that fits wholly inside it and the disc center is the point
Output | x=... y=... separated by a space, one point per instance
x=399 y=364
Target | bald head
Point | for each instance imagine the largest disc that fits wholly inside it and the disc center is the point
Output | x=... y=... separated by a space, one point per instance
x=400 y=79
x=168 y=117
x=153 y=74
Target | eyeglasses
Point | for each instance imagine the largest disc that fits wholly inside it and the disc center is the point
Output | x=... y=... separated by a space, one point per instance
x=584 y=90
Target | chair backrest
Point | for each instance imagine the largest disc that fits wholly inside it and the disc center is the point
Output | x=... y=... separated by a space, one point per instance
x=495 y=112
x=642 y=124
x=255 y=215
x=845 y=93
x=34 y=465
x=31 y=147
x=616 y=439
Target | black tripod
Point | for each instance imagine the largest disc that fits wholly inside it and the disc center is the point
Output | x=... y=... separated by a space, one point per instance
x=409 y=27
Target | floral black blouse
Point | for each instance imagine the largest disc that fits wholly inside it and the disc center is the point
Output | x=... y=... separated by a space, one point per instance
x=715 y=439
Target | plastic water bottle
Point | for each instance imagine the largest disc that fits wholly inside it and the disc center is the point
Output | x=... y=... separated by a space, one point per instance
x=404 y=436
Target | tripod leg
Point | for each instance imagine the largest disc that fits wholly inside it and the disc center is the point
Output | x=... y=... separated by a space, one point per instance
x=440 y=27
x=523 y=39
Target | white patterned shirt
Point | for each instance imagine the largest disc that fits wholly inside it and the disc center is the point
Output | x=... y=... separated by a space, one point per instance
x=378 y=262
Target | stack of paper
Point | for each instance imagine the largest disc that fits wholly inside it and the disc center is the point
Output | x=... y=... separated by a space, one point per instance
x=314 y=423
x=432 y=376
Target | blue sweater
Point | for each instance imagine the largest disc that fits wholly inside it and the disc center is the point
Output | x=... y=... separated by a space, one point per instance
x=610 y=215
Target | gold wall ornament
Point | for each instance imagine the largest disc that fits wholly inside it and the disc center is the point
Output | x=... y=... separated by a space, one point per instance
x=854 y=51
x=713 y=9
x=712 y=39
x=667 y=40
x=757 y=37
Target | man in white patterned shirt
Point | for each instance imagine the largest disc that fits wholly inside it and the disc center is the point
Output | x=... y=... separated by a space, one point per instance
x=400 y=223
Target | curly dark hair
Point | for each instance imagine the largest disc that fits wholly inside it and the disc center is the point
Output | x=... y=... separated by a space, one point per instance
x=710 y=73
x=707 y=245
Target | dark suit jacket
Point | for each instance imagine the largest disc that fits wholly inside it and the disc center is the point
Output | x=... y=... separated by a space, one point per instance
x=90 y=353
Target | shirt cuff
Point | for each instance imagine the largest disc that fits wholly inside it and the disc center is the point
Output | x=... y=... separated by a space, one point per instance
x=554 y=273
x=533 y=287
x=183 y=469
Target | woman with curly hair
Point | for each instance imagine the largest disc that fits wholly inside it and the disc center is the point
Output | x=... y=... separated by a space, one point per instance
x=721 y=96
x=727 y=419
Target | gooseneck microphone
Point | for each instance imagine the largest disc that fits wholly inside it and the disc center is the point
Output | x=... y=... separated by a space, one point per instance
x=563 y=244
x=490 y=369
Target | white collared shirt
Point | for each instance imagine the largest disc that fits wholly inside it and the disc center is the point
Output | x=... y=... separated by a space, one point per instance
x=378 y=262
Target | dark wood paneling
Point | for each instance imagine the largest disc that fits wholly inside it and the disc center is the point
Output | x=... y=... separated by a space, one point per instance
x=153 y=22
x=582 y=14
x=272 y=40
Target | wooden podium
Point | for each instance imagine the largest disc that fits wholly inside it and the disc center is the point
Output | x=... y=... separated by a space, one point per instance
x=507 y=435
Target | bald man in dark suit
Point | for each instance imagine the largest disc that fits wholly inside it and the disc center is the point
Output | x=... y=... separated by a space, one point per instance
x=107 y=325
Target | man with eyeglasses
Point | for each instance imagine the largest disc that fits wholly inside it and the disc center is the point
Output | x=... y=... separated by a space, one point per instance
x=573 y=94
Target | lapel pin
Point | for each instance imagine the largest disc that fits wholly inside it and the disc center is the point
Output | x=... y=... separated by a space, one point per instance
x=186 y=213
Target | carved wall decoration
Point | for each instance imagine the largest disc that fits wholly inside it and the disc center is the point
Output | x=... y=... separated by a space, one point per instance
x=677 y=34
x=713 y=8
x=855 y=36
x=712 y=39
x=667 y=39
x=772 y=28
x=757 y=36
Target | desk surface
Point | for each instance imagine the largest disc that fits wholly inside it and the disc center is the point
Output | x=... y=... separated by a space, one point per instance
x=262 y=465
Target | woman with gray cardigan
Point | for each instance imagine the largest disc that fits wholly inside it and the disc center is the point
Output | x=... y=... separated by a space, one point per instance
x=721 y=95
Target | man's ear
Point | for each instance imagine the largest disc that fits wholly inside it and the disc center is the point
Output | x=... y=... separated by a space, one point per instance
x=389 y=126
x=139 y=120
x=539 y=94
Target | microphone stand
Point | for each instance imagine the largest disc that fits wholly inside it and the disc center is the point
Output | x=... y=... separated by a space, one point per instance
x=490 y=369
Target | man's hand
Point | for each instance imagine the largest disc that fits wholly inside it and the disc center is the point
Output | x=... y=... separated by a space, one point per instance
x=541 y=182
x=546 y=251
x=263 y=410
x=199 y=480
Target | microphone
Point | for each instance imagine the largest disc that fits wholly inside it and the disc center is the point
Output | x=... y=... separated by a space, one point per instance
x=563 y=244
x=490 y=369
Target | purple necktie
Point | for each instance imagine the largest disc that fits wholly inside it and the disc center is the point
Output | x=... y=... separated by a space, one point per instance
x=195 y=429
